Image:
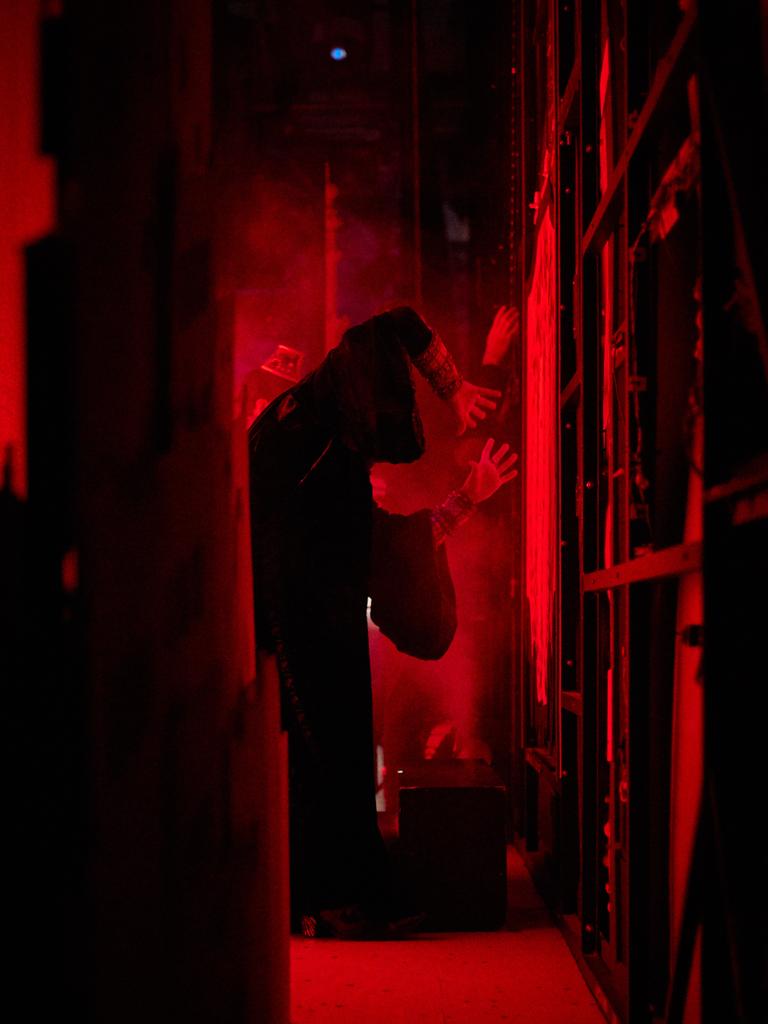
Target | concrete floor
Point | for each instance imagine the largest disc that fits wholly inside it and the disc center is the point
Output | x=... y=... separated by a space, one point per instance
x=524 y=974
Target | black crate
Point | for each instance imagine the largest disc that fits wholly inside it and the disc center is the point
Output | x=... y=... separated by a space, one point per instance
x=452 y=845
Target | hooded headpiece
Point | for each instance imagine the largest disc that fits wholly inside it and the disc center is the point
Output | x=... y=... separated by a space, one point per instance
x=364 y=388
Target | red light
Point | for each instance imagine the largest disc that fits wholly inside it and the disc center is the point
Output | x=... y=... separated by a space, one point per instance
x=540 y=455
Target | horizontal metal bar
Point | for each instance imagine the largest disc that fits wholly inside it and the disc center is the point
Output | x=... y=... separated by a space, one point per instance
x=674 y=561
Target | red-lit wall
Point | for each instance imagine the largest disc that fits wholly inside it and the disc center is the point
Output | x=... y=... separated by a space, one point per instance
x=26 y=213
x=163 y=894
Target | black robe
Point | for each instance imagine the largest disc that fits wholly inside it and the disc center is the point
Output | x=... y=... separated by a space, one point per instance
x=320 y=549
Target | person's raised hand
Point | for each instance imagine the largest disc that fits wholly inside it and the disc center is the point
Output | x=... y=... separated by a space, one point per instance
x=472 y=403
x=490 y=472
x=504 y=329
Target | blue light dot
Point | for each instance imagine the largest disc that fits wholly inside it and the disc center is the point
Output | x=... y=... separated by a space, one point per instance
x=338 y=53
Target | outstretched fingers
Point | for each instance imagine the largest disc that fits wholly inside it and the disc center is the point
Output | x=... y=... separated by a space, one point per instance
x=487 y=403
x=506 y=466
x=487 y=448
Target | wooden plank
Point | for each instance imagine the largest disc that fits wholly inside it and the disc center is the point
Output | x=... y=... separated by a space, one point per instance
x=540 y=759
x=570 y=700
x=751 y=480
x=599 y=226
x=673 y=561
x=570 y=390
x=566 y=102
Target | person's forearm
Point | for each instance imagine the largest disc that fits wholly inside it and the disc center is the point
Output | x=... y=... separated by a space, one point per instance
x=437 y=367
x=414 y=335
x=450 y=514
x=469 y=403
x=426 y=351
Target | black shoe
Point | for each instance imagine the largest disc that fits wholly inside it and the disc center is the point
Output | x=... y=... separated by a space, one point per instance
x=352 y=923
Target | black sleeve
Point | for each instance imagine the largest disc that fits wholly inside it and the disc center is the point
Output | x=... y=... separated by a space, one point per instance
x=414 y=334
x=412 y=597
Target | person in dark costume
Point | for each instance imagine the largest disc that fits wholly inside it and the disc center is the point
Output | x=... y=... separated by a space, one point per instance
x=321 y=548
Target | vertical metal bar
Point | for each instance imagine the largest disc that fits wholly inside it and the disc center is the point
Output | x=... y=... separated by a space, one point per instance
x=331 y=260
x=526 y=140
x=587 y=189
x=557 y=427
x=416 y=153
x=516 y=242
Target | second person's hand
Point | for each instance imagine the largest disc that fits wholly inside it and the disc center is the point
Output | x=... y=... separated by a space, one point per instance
x=490 y=472
x=472 y=403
